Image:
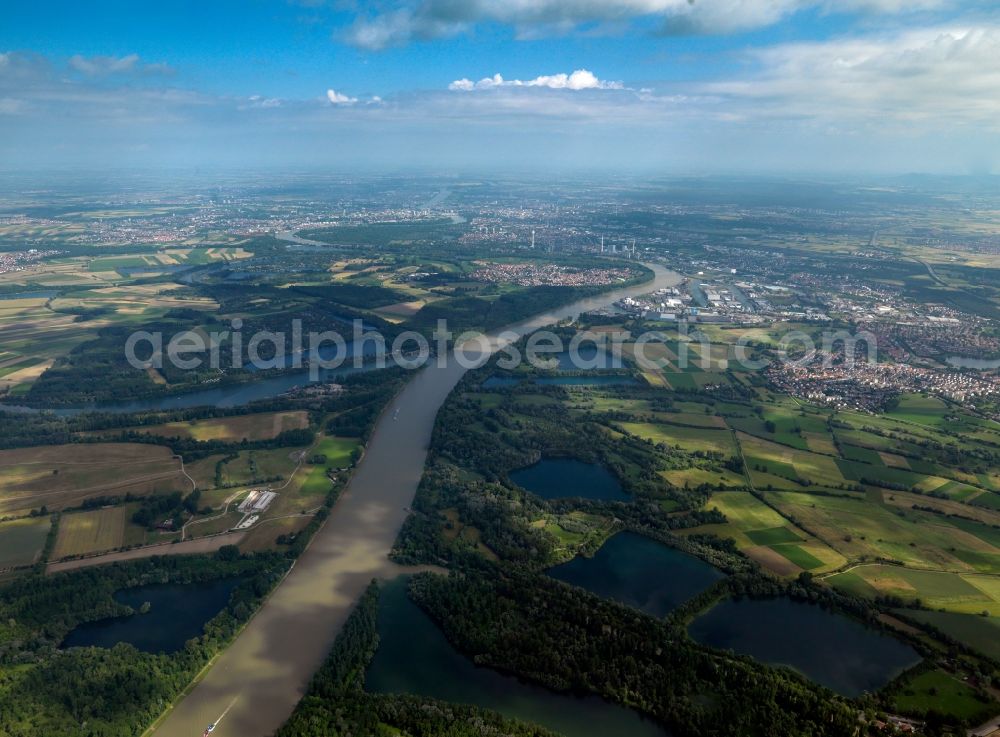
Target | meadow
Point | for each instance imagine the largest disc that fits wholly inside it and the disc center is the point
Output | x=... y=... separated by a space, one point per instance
x=259 y=426
x=948 y=694
x=691 y=439
x=22 y=541
x=331 y=455
x=255 y=466
x=973 y=630
x=94 y=531
x=861 y=527
x=953 y=592
x=769 y=538
x=64 y=475
x=35 y=332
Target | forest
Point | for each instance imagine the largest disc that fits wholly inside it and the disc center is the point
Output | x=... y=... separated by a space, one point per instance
x=95 y=692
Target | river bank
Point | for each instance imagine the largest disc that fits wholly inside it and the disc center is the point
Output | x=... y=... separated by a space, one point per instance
x=264 y=673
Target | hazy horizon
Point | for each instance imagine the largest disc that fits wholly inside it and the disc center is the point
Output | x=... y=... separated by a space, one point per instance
x=668 y=86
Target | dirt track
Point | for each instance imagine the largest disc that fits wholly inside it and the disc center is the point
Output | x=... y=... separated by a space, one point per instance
x=188 y=547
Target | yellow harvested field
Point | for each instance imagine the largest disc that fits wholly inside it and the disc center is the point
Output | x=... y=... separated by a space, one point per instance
x=402 y=309
x=262 y=426
x=745 y=510
x=894 y=461
x=655 y=378
x=27 y=374
x=58 y=476
x=989 y=585
x=820 y=443
x=907 y=500
x=96 y=531
x=769 y=538
x=772 y=560
x=650 y=355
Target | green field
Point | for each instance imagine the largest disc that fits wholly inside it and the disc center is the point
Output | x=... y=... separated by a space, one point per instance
x=22 y=541
x=773 y=536
x=800 y=556
x=686 y=438
x=260 y=426
x=860 y=527
x=316 y=482
x=338 y=451
x=768 y=537
x=112 y=263
x=783 y=467
x=980 y=633
x=697 y=476
x=943 y=692
x=253 y=466
x=919 y=409
x=954 y=592
x=95 y=531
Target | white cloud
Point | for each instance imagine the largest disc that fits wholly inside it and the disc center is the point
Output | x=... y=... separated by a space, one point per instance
x=932 y=93
x=409 y=20
x=336 y=98
x=581 y=79
x=100 y=66
x=157 y=68
x=935 y=76
x=10 y=106
x=264 y=103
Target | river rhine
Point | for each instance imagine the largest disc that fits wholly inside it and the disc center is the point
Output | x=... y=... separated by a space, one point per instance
x=265 y=672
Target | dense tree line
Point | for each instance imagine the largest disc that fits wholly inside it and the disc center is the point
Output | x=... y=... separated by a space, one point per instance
x=98 y=370
x=511 y=616
x=95 y=692
x=363 y=396
x=336 y=703
x=569 y=640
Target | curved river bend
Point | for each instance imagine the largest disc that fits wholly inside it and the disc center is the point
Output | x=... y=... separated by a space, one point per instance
x=265 y=672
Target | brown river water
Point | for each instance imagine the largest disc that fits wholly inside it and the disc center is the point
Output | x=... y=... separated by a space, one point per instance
x=259 y=679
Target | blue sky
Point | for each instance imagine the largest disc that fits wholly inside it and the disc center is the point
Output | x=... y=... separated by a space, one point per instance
x=663 y=85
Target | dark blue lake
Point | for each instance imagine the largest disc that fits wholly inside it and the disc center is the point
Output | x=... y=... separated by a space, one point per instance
x=228 y=395
x=598 y=380
x=592 y=380
x=415 y=657
x=178 y=613
x=499 y=381
x=829 y=648
x=559 y=478
x=640 y=572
